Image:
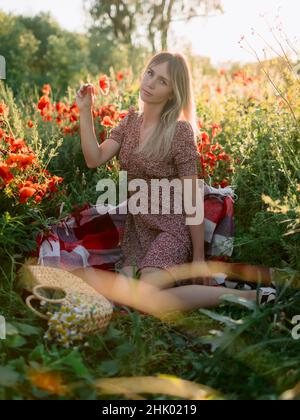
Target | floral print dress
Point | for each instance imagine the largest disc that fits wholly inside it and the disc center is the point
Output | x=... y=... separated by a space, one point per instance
x=155 y=240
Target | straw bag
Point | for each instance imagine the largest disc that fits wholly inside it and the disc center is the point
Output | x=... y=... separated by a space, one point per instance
x=68 y=294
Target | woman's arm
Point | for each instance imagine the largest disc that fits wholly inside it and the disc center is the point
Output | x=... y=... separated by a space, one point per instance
x=197 y=230
x=94 y=154
x=89 y=144
x=197 y=233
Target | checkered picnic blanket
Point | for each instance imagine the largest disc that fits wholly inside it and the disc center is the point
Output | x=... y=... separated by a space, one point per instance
x=90 y=236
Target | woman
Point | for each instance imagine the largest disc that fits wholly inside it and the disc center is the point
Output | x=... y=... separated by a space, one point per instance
x=157 y=143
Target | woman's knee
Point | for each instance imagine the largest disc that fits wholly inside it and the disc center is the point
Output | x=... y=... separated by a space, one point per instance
x=162 y=280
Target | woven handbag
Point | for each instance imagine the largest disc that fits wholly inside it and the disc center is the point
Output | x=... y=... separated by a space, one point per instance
x=58 y=287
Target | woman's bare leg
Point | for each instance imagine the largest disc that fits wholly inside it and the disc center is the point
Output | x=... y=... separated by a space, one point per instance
x=145 y=297
x=193 y=297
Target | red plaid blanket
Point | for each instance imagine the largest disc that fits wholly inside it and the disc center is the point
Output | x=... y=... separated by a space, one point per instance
x=89 y=237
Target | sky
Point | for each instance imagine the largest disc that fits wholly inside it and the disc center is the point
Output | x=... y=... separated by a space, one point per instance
x=213 y=37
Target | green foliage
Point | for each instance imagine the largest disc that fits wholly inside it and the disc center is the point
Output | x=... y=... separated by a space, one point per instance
x=38 y=51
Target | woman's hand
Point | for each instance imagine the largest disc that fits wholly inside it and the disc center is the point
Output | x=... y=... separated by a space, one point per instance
x=85 y=97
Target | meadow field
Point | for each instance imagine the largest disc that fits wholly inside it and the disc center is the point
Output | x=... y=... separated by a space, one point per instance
x=250 y=139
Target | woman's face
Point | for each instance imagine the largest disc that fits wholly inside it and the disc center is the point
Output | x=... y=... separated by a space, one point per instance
x=156 y=82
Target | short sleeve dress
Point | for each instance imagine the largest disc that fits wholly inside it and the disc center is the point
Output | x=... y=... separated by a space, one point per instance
x=155 y=240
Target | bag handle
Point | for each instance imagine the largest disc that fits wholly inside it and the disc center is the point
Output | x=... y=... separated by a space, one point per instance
x=38 y=296
x=28 y=303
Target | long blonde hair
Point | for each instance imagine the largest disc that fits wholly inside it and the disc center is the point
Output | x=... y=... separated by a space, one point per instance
x=180 y=107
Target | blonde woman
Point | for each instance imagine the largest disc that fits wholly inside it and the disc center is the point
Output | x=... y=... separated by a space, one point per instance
x=157 y=142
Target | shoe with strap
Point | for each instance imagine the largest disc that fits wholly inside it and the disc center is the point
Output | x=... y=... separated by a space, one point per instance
x=266 y=295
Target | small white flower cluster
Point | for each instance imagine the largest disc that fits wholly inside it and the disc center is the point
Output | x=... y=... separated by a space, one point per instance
x=67 y=321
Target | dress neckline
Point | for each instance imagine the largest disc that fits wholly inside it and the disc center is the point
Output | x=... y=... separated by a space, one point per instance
x=139 y=125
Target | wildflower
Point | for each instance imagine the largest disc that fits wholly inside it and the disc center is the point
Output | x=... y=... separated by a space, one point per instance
x=38 y=198
x=224 y=156
x=5 y=174
x=123 y=114
x=26 y=193
x=74 y=109
x=107 y=122
x=205 y=137
x=46 y=90
x=60 y=108
x=47 y=118
x=224 y=183
x=4 y=109
x=67 y=130
x=104 y=84
x=22 y=160
x=44 y=102
x=53 y=182
x=119 y=76
x=51 y=382
x=200 y=123
x=216 y=129
x=17 y=145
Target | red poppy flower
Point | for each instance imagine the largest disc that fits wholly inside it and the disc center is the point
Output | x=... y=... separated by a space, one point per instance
x=4 y=109
x=38 y=198
x=5 y=174
x=46 y=89
x=43 y=103
x=17 y=145
x=60 y=108
x=224 y=183
x=47 y=118
x=216 y=129
x=205 y=137
x=120 y=76
x=107 y=122
x=53 y=181
x=104 y=84
x=224 y=156
x=73 y=118
x=30 y=124
x=26 y=193
x=200 y=123
x=123 y=114
x=74 y=109
x=67 y=130
x=21 y=160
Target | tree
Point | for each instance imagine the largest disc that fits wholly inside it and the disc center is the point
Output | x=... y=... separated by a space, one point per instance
x=18 y=45
x=128 y=21
x=38 y=51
